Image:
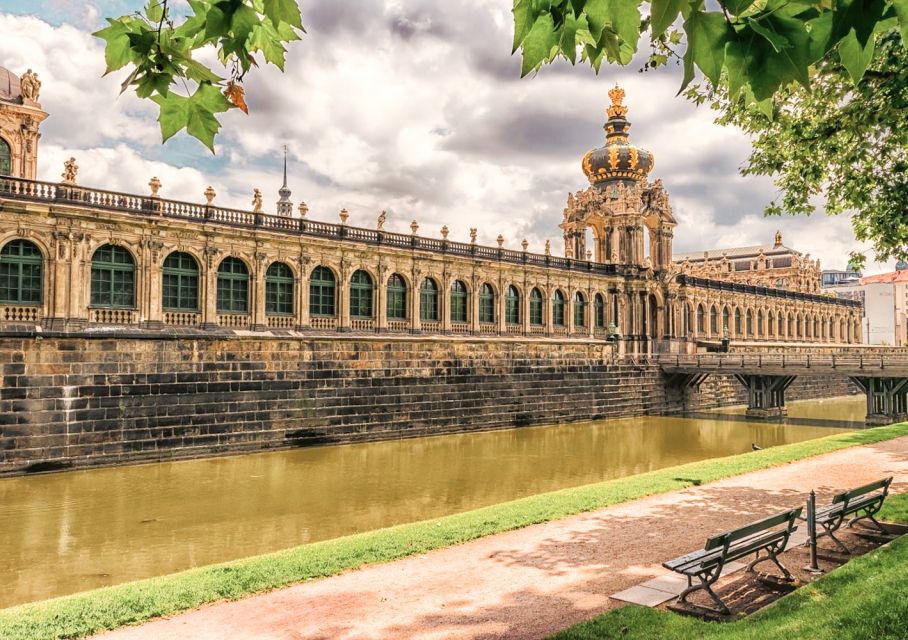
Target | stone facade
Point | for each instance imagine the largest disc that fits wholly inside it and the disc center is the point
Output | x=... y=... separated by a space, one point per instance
x=20 y=117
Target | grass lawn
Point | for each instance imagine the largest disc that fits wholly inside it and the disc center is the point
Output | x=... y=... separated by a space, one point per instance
x=92 y=611
x=866 y=599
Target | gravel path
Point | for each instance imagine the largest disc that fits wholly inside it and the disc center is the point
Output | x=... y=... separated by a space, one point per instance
x=531 y=582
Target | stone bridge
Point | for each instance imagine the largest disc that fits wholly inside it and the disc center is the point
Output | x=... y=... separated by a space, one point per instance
x=881 y=374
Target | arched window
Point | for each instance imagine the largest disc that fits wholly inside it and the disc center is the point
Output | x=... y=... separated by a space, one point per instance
x=361 y=295
x=458 y=302
x=512 y=306
x=701 y=320
x=397 y=297
x=800 y=328
x=233 y=286
x=579 y=310
x=780 y=325
x=322 y=286
x=713 y=321
x=113 y=277
x=750 y=323
x=816 y=327
x=486 y=303
x=737 y=323
x=20 y=273
x=791 y=326
x=279 y=289
x=759 y=323
x=536 y=307
x=6 y=158
x=428 y=301
x=599 y=310
x=180 y=289
x=558 y=308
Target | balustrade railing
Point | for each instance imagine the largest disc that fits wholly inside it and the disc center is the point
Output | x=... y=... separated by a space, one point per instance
x=182 y=318
x=19 y=313
x=113 y=316
x=234 y=320
x=280 y=322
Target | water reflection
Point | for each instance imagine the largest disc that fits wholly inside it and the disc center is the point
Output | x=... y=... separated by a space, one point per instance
x=63 y=533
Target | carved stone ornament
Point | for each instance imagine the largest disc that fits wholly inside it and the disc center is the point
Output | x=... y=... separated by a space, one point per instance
x=30 y=86
x=500 y=240
x=444 y=232
x=473 y=235
x=70 y=170
x=344 y=214
x=380 y=223
x=256 y=201
x=548 y=247
x=210 y=194
x=524 y=244
x=414 y=227
x=303 y=209
x=155 y=185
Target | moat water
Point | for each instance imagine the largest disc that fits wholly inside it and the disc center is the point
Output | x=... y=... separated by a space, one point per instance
x=68 y=532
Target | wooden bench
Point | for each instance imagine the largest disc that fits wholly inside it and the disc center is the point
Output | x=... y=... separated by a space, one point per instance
x=863 y=503
x=769 y=535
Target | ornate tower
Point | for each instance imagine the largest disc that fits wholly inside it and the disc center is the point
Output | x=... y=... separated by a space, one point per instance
x=284 y=205
x=620 y=207
x=20 y=117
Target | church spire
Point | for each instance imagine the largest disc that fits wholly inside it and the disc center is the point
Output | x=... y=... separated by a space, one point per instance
x=284 y=206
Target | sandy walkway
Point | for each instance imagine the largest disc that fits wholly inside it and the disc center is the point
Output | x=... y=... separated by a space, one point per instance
x=532 y=582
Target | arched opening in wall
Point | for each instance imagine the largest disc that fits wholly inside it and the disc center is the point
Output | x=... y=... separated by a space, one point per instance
x=512 y=306
x=180 y=283
x=459 y=301
x=737 y=323
x=599 y=311
x=701 y=320
x=361 y=294
x=759 y=324
x=725 y=319
x=616 y=312
x=21 y=273
x=6 y=158
x=579 y=310
x=428 y=301
x=113 y=278
x=647 y=247
x=653 y=317
x=397 y=297
x=486 y=303
x=750 y=323
x=536 y=316
x=558 y=309
x=279 y=293
x=589 y=242
x=322 y=292
x=713 y=321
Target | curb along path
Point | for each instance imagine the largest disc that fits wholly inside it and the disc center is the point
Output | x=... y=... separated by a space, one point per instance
x=530 y=582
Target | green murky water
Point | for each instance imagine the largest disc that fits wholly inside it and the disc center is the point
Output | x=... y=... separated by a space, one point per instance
x=67 y=532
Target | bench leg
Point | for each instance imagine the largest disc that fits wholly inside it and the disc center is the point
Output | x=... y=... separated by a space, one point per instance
x=771 y=555
x=706 y=581
x=869 y=512
x=829 y=529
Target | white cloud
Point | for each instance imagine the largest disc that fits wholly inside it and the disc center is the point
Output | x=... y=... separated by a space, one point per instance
x=415 y=107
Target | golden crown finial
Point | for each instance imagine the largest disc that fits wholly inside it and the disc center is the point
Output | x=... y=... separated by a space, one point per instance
x=617 y=110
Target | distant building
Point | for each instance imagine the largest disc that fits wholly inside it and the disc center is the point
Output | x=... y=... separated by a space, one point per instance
x=885 y=308
x=771 y=265
x=836 y=277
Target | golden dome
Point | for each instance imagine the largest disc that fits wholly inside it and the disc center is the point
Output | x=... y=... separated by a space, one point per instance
x=617 y=160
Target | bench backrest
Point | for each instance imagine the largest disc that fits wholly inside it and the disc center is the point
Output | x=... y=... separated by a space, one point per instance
x=847 y=496
x=785 y=517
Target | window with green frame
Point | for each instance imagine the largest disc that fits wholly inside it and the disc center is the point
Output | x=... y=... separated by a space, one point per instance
x=113 y=278
x=361 y=295
x=20 y=273
x=750 y=323
x=558 y=308
x=397 y=297
x=180 y=290
x=512 y=306
x=599 y=310
x=737 y=322
x=279 y=290
x=6 y=158
x=714 y=321
x=579 y=310
x=233 y=286
x=322 y=292
x=486 y=303
x=701 y=321
x=428 y=301
x=458 y=302
x=536 y=307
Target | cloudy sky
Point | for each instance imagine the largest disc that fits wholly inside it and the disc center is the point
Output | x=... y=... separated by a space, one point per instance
x=414 y=106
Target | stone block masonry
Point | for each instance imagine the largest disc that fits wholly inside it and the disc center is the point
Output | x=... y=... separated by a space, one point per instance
x=81 y=401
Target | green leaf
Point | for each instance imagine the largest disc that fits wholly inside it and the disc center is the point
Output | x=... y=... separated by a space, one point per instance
x=568 y=41
x=244 y=20
x=707 y=35
x=737 y=7
x=154 y=10
x=664 y=13
x=523 y=22
x=777 y=41
x=621 y=17
x=173 y=115
x=117 y=51
x=265 y=39
x=538 y=43
x=283 y=11
x=855 y=58
x=195 y=113
x=901 y=11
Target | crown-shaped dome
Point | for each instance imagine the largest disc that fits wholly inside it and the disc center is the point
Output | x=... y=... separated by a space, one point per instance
x=617 y=160
x=10 y=90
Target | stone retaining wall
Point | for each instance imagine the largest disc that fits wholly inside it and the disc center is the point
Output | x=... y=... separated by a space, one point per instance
x=81 y=401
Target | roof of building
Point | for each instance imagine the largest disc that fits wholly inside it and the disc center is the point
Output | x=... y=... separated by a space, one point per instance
x=9 y=86
x=894 y=276
x=737 y=253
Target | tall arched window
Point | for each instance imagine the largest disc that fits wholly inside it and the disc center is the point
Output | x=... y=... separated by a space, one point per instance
x=113 y=278
x=361 y=295
x=397 y=297
x=599 y=310
x=233 y=286
x=428 y=301
x=279 y=289
x=579 y=310
x=20 y=273
x=6 y=158
x=322 y=290
x=558 y=308
x=759 y=323
x=750 y=323
x=701 y=320
x=458 y=302
x=713 y=321
x=791 y=326
x=512 y=306
x=800 y=328
x=816 y=327
x=536 y=307
x=486 y=303
x=180 y=290
x=780 y=325
x=726 y=321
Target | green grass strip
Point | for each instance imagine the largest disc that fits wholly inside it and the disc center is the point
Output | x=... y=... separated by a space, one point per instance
x=866 y=598
x=111 y=607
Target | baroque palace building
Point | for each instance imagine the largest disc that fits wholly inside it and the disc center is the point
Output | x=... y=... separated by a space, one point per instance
x=74 y=258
